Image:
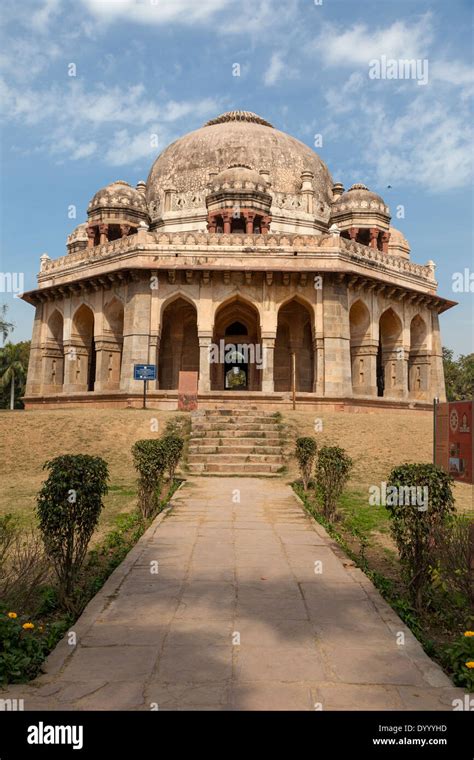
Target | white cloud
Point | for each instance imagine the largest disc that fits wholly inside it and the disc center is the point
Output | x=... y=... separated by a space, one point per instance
x=359 y=44
x=274 y=70
x=42 y=17
x=156 y=11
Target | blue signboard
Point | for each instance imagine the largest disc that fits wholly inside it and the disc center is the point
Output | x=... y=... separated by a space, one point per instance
x=144 y=372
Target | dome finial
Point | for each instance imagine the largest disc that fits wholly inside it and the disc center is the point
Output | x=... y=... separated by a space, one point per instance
x=247 y=116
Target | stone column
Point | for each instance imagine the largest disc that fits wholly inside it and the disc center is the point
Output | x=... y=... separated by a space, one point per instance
x=249 y=220
x=125 y=230
x=76 y=366
x=227 y=219
x=266 y=221
x=268 y=353
x=90 y=236
x=52 y=368
x=438 y=388
x=104 y=233
x=419 y=367
x=136 y=332
x=108 y=359
x=34 y=377
x=374 y=236
x=318 y=363
x=395 y=363
x=353 y=232
x=337 y=356
x=205 y=340
x=364 y=368
x=385 y=241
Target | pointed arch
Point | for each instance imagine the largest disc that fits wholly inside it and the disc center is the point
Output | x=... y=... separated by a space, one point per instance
x=179 y=343
x=234 y=368
x=83 y=344
x=294 y=336
x=419 y=361
x=363 y=350
x=390 y=359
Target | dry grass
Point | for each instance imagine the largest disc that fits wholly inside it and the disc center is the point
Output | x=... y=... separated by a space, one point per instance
x=28 y=439
x=376 y=442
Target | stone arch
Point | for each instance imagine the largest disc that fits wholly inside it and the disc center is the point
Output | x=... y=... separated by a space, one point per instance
x=236 y=362
x=419 y=361
x=239 y=298
x=294 y=335
x=179 y=343
x=177 y=295
x=391 y=362
x=110 y=346
x=363 y=350
x=83 y=350
x=53 y=356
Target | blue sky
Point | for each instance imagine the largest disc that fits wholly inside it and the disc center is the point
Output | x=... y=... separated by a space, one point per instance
x=164 y=67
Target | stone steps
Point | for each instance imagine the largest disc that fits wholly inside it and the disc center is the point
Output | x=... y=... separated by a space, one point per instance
x=235 y=442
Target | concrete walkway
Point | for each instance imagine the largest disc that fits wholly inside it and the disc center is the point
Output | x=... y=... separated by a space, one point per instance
x=253 y=607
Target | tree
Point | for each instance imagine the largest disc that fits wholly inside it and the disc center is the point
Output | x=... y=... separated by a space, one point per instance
x=458 y=375
x=12 y=368
x=5 y=327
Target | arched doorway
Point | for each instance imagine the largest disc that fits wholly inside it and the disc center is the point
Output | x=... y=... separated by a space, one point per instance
x=83 y=348
x=53 y=378
x=390 y=360
x=294 y=335
x=236 y=362
x=363 y=350
x=179 y=344
x=109 y=358
x=419 y=359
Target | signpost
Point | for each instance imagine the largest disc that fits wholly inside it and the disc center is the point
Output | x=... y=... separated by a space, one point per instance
x=453 y=439
x=144 y=372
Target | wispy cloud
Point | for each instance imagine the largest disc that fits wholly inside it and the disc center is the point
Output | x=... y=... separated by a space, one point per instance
x=157 y=12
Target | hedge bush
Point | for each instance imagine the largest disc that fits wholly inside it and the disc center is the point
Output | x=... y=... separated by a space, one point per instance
x=150 y=460
x=68 y=508
x=413 y=529
x=305 y=453
x=332 y=473
x=173 y=447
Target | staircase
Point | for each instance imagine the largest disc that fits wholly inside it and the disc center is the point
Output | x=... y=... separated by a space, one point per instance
x=235 y=442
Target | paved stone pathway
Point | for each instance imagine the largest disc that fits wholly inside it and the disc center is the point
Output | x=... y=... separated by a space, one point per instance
x=237 y=618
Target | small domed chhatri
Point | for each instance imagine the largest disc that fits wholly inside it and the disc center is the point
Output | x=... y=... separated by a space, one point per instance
x=238 y=238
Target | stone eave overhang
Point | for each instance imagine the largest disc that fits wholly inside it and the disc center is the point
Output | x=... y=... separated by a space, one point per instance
x=354 y=281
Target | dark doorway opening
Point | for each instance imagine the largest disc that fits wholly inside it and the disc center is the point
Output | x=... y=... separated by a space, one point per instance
x=92 y=368
x=380 y=371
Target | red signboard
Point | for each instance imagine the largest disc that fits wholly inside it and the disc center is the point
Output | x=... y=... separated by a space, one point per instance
x=454 y=439
x=187 y=391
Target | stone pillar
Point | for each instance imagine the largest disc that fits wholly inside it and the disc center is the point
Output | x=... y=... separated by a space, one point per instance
x=318 y=359
x=249 y=220
x=34 y=378
x=76 y=366
x=374 y=236
x=211 y=223
x=227 y=219
x=268 y=353
x=266 y=221
x=108 y=361
x=337 y=355
x=438 y=388
x=90 y=236
x=419 y=368
x=353 y=232
x=104 y=234
x=136 y=332
x=395 y=363
x=125 y=230
x=385 y=241
x=364 y=368
x=52 y=368
x=205 y=340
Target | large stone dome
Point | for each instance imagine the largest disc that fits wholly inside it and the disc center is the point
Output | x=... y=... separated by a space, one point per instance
x=236 y=138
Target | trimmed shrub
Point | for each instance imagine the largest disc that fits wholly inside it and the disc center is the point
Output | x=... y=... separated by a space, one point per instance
x=414 y=528
x=332 y=473
x=68 y=507
x=305 y=453
x=173 y=448
x=151 y=460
